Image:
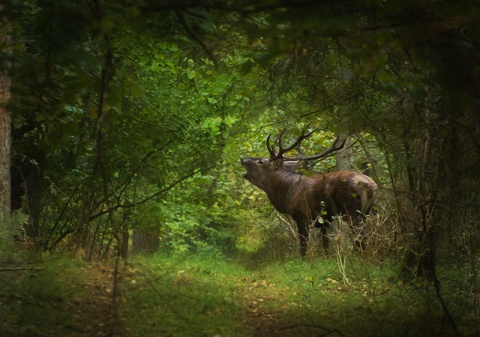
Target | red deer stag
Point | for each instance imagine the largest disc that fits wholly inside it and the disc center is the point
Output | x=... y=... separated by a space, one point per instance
x=307 y=198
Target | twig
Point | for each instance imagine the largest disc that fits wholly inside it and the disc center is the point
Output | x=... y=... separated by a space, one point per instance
x=447 y=313
x=115 y=298
x=327 y=331
x=21 y=268
x=289 y=225
x=195 y=36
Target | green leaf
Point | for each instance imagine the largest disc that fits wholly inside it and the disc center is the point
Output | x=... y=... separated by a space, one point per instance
x=191 y=74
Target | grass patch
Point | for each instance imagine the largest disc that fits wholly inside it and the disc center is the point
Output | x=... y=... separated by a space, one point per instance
x=312 y=298
x=203 y=295
x=207 y=295
x=194 y=296
x=49 y=298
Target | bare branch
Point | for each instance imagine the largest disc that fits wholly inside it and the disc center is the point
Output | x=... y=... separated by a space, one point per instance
x=21 y=268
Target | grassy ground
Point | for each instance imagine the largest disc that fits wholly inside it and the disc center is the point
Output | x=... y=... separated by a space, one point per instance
x=207 y=295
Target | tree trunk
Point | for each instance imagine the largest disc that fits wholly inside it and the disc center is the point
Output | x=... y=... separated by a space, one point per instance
x=144 y=241
x=124 y=244
x=344 y=156
x=4 y=151
x=5 y=131
x=420 y=259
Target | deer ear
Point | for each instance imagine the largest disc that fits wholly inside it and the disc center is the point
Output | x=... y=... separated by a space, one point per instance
x=290 y=165
x=277 y=163
x=262 y=161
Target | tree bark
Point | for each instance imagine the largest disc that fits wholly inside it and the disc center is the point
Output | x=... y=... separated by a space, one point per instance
x=344 y=156
x=420 y=260
x=144 y=241
x=5 y=127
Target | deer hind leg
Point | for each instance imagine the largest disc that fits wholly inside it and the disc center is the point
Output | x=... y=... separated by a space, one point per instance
x=325 y=239
x=303 y=245
x=358 y=228
x=324 y=227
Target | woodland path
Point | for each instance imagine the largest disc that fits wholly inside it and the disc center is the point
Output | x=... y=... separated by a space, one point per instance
x=93 y=308
x=265 y=310
x=268 y=314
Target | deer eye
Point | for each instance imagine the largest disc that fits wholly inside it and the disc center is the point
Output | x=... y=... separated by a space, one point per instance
x=260 y=162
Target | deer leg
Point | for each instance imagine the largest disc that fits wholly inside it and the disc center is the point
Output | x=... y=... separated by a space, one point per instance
x=325 y=240
x=303 y=245
x=303 y=235
x=359 y=223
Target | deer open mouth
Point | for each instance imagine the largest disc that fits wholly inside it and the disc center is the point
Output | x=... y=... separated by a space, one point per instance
x=244 y=164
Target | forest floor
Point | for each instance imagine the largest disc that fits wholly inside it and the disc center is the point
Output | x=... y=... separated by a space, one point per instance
x=267 y=314
x=51 y=309
x=263 y=308
x=205 y=296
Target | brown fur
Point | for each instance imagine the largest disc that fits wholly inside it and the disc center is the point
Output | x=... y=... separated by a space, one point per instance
x=306 y=198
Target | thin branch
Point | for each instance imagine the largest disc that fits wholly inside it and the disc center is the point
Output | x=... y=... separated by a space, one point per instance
x=115 y=298
x=123 y=186
x=169 y=187
x=21 y=268
x=316 y=326
x=150 y=197
x=446 y=311
x=195 y=36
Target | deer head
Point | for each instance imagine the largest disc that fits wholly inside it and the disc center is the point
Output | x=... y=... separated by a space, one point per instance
x=260 y=170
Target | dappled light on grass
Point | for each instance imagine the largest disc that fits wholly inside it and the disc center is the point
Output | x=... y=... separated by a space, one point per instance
x=56 y=297
x=209 y=295
x=182 y=297
x=213 y=296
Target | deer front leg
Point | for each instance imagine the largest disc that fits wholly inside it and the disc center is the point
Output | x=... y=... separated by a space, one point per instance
x=302 y=226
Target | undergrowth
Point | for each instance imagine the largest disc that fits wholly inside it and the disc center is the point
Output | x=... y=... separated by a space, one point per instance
x=209 y=295
x=50 y=298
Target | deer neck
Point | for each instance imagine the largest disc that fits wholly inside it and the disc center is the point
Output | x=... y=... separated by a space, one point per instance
x=280 y=189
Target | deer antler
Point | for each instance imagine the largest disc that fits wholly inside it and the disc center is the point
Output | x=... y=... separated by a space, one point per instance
x=325 y=153
x=274 y=155
x=282 y=150
x=271 y=150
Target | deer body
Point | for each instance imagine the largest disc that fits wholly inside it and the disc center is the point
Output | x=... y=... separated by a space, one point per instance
x=307 y=198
